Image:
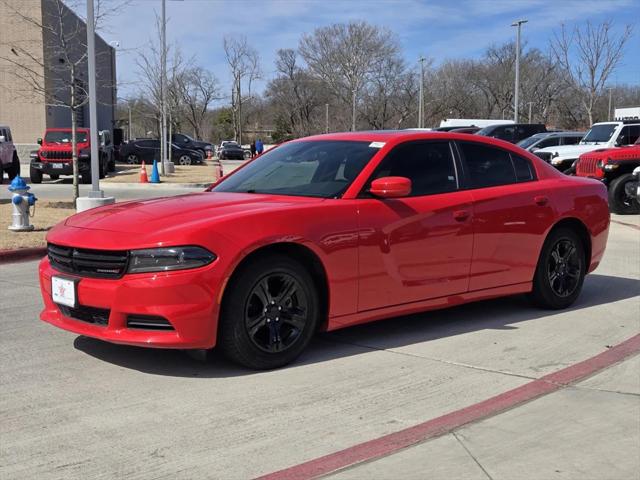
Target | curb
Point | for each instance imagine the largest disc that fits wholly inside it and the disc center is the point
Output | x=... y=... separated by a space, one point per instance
x=22 y=254
x=104 y=184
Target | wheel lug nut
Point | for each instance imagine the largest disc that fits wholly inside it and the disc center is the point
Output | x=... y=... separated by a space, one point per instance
x=277 y=319
x=279 y=307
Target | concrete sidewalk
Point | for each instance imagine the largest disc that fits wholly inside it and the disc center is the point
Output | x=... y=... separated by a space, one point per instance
x=587 y=431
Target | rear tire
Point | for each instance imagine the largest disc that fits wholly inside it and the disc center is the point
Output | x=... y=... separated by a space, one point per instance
x=619 y=201
x=35 y=175
x=14 y=170
x=269 y=313
x=560 y=271
x=132 y=159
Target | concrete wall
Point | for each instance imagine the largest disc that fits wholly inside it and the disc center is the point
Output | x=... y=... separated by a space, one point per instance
x=20 y=107
x=28 y=112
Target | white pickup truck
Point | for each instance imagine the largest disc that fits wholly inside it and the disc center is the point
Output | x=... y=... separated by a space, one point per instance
x=601 y=135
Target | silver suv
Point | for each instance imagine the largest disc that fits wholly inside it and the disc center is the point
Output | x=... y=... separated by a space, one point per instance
x=9 y=161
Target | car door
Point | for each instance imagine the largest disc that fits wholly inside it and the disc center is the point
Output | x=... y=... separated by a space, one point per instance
x=418 y=247
x=511 y=211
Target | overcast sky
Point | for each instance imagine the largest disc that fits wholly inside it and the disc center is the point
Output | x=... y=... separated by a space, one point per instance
x=439 y=29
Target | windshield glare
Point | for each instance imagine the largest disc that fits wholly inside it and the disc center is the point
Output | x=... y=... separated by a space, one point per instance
x=599 y=134
x=64 y=137
x=310 y=169
x=527 y=142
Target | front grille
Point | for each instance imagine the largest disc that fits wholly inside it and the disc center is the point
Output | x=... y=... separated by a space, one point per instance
x=148 y=322
x=56 y=154
x=94 y=315
x=88 y=263
x=546 y=156
x=586 y=167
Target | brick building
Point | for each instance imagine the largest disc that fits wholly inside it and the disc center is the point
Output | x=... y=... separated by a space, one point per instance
x=42 y=42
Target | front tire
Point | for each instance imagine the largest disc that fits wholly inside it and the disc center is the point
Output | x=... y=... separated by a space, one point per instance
x=35 y=175
x=132 y=159
x=269 y=313
x=184 y=160
x=621 y=201
x=560 y=271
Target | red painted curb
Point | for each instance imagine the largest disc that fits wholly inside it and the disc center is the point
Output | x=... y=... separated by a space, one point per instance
x=393 y=442
x=22 y=254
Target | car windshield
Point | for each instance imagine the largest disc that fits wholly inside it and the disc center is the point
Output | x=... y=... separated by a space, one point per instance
x=527 y=142
x=308 y=168
x=599 y=134
x=64 y=137
x=486 y=130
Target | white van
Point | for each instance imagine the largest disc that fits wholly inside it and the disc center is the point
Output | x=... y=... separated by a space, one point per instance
x=472 y=122
x=9 y=161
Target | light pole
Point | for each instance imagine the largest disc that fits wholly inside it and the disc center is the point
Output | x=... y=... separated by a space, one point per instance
x=421 y=95
x=609 y=111
x=517 y=23
x=129 y=107
x=530 y=105
x=163 y=87
x=95 y=196
x=326 y=118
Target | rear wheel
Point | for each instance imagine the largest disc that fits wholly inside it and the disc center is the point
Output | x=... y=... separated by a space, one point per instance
x=269 y=314
x=132 y=159
x=560 y=271
x=184 y=160
x=35 y=175
x=622 y=198
x=14 y=170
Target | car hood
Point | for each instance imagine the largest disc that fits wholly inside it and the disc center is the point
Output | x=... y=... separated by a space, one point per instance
x=570 y=151
x=180 y=212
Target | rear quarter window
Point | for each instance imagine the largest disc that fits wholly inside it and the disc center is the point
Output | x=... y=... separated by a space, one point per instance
x=523 y=168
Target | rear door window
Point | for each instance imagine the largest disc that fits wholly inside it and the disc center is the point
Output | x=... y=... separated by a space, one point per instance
x=629 y=134
x=486 y=166
x=571 y=140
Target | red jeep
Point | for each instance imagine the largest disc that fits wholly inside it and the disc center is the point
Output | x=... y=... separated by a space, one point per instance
x=614 y=167
x=54 y=156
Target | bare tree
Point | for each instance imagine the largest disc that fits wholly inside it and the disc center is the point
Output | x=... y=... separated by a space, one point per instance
x=344 y=55
x=54 y=72
x=588 y=56
x=197 y=89
x=243 y=62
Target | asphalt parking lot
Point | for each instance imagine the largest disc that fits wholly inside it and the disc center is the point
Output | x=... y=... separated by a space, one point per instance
x=73 y=407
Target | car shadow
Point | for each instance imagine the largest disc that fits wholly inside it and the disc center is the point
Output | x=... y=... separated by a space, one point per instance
x=499 y=314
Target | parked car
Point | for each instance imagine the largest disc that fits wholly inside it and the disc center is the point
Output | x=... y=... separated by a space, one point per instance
x=550 y=139
x=452 y=128
x=231 y=151
x=325 y=232
x=614 y=167
x=601 y=135
x=9 y=161
x=148 y=149
x=512 y=133
x=469 y=130
x=53 y=158
x=188 y=143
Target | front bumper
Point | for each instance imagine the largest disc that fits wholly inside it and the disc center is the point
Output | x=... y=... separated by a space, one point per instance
x=187 y=299
x=59 y=168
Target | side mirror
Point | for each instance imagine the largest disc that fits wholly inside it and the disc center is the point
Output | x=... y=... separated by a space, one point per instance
x=390 y=187
x=2 y=139
x=39 y=141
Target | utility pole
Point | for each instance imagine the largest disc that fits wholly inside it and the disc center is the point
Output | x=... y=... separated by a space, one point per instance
x=326 y=118
x=517 y=23
x=129 y=107
x=163 y=88
x=609 y=111
x=530 y=105
x=95 y=196
x=421 y=95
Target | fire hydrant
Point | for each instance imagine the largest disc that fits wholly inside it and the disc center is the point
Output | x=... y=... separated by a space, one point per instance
x=22 y=202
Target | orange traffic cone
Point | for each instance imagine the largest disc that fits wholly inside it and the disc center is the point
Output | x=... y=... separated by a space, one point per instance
x=143 y=174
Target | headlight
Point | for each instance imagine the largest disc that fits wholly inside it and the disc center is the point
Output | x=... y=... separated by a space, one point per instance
x=43 y=154
x=611 y=166
x=599 y=164
x=556 y=161
x=170 y=258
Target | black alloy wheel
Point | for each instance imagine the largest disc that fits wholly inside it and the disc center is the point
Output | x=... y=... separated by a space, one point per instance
x=276 y=312
x=561 y=269
x=269 y=312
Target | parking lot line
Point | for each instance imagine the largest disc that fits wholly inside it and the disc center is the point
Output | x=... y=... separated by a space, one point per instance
x=394 y=442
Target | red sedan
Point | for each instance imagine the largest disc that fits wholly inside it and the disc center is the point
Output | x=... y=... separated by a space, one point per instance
x=323 y=233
